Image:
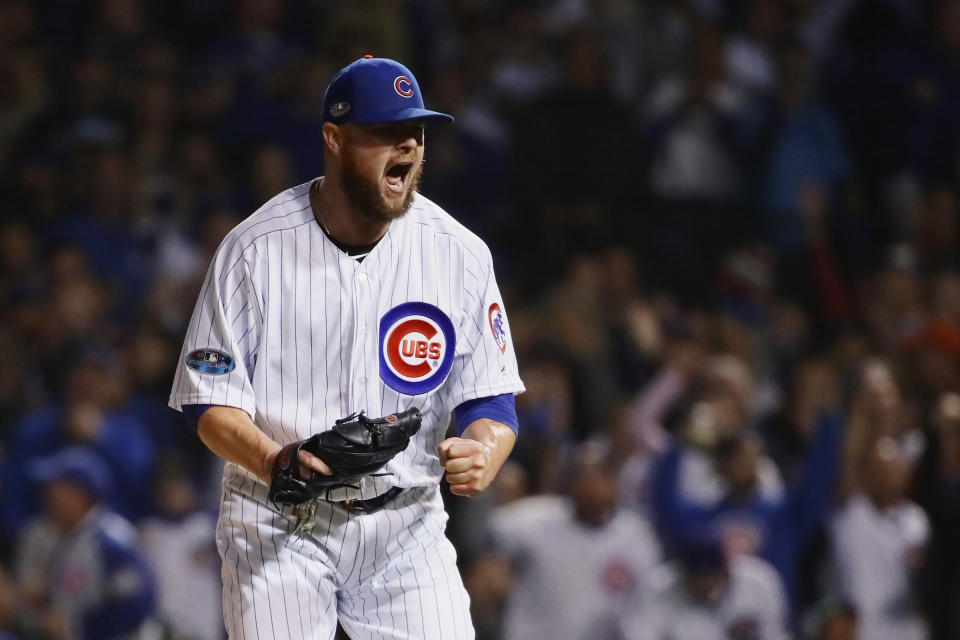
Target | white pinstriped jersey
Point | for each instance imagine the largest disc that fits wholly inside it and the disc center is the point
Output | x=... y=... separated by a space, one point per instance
x=298 y=334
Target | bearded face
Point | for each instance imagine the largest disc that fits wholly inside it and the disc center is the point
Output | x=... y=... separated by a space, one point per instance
x=381 y=169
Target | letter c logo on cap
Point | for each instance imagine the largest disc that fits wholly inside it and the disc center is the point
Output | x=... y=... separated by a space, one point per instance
x=403 y=86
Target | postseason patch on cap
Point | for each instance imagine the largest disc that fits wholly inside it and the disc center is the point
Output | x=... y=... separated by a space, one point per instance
x=210 y=361
x=338 y=109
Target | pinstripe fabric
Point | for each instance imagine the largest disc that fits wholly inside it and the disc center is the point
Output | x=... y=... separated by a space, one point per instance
x=301 y=319
x=390 y=574
x=302 y=322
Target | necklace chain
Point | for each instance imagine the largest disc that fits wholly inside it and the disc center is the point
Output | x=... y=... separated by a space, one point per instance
x=315 y=207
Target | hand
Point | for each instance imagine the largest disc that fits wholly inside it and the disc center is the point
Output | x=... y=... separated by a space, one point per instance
x=468 y=464
x=310 y=464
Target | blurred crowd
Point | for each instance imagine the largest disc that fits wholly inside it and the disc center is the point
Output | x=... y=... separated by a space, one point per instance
x=726 y=231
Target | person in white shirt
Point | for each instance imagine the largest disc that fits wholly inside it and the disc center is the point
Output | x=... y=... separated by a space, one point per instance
x=79 y=569
x=579 y=561
x=705 y=595
x=178 y=543
x=878 y=541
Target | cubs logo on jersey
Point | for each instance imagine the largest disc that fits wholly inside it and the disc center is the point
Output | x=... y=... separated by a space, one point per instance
x=417 y=346
x=498 y=326
x=618 y=577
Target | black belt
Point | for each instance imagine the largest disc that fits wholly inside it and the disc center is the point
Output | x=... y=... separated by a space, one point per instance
x=373 y=504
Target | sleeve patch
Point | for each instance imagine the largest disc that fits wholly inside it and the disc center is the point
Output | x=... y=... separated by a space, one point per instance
x=498 y=326
x=210 y=361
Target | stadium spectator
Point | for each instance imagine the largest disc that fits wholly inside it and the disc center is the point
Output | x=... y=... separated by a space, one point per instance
x=876 y=411
x=579 y=562
x=9 y=606
x=89 y=416
x=776 y=526
x=79 y=571
x=178 y=545
x=938 y=481
x=879 y=541
x=706 y=595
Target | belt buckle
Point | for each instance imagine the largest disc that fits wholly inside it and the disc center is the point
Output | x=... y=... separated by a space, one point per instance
x=372 y=504
x=355 y=506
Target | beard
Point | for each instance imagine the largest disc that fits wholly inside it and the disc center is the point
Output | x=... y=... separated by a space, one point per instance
x=365 y=196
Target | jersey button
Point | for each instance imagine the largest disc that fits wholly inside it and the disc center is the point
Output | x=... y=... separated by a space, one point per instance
x=362 y=277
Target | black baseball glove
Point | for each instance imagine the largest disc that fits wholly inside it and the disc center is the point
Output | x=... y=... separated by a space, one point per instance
x=356 y=446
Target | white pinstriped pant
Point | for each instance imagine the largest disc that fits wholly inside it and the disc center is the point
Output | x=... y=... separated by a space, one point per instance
x=386 y=575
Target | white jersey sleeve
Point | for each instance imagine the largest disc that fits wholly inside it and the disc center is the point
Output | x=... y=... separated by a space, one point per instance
x=485 y=364
x=220 y=348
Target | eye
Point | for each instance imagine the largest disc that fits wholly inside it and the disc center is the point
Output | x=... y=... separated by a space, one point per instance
x=416 y=133
x=399 y=132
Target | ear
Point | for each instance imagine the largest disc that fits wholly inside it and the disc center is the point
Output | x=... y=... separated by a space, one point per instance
x=333 y=137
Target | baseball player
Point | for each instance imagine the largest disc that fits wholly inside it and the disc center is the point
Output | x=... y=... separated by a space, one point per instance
x=350 y=293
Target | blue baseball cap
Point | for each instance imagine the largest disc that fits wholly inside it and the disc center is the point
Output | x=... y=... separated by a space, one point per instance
x=78 y=466
x=375 y=91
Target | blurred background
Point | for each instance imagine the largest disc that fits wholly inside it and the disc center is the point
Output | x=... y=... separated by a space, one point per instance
x=727 y=236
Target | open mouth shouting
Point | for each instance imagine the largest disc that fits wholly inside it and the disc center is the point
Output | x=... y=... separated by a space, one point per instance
x=398 y=176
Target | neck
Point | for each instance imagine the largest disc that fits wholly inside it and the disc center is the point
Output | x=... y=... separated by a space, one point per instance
x=340 y=219
x=740 y=494
x=883 y=503
x=67 y=522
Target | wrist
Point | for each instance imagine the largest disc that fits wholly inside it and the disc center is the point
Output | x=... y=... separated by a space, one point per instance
x=487 y=450
x=267 y=460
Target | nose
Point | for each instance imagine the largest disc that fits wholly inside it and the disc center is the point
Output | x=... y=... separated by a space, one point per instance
x=409 y=138
x=409 y=143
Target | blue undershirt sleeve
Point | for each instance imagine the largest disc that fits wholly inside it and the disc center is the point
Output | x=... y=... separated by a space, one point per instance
x=192 y=413
x=501 y=408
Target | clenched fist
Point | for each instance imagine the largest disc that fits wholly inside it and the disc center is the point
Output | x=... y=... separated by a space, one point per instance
x=469 y=465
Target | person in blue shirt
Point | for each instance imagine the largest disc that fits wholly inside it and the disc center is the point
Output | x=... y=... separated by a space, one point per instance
x=89 y=417
x=776 y=526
